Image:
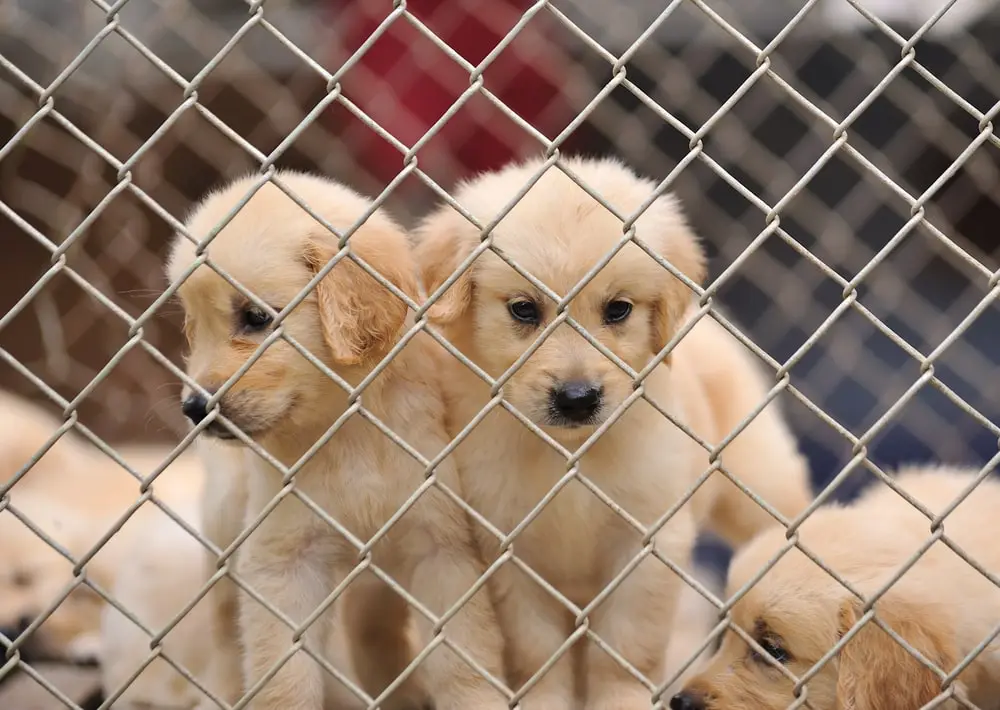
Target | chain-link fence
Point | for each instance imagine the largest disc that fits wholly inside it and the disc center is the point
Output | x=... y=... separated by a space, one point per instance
x=836 y=157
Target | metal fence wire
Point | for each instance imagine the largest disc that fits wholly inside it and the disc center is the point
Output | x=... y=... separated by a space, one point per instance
x=837 y=157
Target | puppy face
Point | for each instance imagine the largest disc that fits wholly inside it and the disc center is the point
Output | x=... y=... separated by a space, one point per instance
x=558 y=233
x=796 y=613
x=794 y=626
x=273 y=248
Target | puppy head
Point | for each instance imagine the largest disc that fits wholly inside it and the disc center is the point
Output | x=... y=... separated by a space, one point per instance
x=33 y=576
x=558 y=233
x=274 y=248
x=792 y=615
x=797 y=613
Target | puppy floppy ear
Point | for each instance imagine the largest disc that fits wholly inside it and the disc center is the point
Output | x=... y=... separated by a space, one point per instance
x=876 y=673
x=360 y=317
x=680 y=247
x=439 y=251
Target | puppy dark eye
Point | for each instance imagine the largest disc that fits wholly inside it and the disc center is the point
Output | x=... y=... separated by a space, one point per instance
x=617 y=311
x=524 y=311
x=254 y=319
x=774 y=649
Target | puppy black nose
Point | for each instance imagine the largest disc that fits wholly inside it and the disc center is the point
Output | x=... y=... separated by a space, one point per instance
x=577 y=401
x=194 y=408
x=687 y=701
x=15 y=630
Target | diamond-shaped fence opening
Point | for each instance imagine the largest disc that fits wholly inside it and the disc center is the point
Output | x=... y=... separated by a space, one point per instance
x=837 y=158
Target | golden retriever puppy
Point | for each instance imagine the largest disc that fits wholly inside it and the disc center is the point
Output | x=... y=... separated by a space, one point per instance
x=34 y=576
x=573 y=392
x=32 y=573
x=74 y=494
x=349 y=322
x=797 y=612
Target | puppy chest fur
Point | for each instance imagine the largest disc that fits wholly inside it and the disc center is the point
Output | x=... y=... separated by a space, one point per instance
x=576 y=541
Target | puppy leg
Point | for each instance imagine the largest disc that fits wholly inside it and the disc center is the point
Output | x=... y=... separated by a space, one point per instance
x=376 y=621
x=439 y=580
x=282 y=562
x=535 y=626
x=223 y=508
x=635 y=621
x=224 y=674
x=693 y=622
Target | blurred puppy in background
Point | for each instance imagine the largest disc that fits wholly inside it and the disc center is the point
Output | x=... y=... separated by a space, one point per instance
x=349 y=322
x=32 y=574
x=572 y=391
x=74 y=494
x=942 y=606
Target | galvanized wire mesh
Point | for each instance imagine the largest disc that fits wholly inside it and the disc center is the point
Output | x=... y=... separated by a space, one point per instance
x=837 y=157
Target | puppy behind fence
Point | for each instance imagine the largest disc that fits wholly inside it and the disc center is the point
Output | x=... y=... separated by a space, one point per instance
x=579 y=402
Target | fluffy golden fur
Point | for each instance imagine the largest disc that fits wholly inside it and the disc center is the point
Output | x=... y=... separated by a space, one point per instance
x=797 y=612
x=225 y=515
x=694 y=619
x=74 y=494
x=577 y=543
x=360 y=477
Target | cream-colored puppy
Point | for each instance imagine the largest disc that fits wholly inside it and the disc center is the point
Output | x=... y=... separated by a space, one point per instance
x=644 y=463
x=797 y=612
x=349 y=322
x=74 y=494
x=33 y=575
